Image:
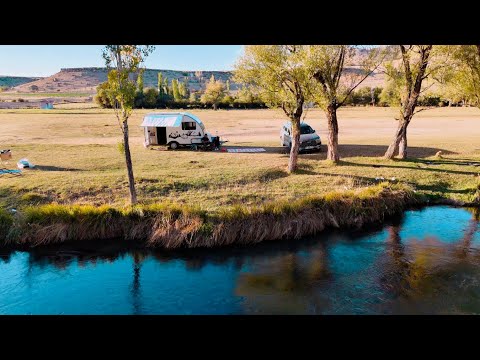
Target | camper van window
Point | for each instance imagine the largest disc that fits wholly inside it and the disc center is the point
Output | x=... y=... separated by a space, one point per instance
x=189 y=126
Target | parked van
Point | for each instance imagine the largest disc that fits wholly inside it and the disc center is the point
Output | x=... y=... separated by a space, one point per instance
x=309 y=139
x=174 y=129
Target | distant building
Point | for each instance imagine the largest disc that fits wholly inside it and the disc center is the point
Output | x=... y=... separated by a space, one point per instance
x=46 y=104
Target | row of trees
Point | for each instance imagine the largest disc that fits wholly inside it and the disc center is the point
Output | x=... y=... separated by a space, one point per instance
x=292 y=76
x=289 y=76
x=176 y=94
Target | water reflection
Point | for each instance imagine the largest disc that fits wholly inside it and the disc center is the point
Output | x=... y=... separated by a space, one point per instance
x=400 y=268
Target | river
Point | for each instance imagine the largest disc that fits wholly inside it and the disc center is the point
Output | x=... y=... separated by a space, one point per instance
x=425 y=262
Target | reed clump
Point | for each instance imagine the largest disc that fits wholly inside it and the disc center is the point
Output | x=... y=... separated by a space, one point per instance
x=169 y=225
x=6 y=222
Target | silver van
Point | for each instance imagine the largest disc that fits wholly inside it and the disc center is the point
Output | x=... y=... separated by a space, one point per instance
x=309 y=139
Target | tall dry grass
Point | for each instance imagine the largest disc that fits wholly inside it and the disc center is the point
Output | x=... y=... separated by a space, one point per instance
x=172 y=226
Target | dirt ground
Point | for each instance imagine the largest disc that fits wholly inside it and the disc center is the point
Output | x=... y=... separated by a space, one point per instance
x=363 y=131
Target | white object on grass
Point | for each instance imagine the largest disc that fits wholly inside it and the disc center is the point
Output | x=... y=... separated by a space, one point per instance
x=24 y=163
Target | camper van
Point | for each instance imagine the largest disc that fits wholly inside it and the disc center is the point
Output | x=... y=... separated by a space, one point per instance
x=173 y=129
x=309 y=139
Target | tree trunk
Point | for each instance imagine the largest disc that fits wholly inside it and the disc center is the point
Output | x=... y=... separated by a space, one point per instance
x=332 y=153
x=402 y=146
x=292 y=163
x=128 y=161
x=399 y=141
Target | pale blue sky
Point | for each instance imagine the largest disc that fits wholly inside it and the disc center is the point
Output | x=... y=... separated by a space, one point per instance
x=45 y=60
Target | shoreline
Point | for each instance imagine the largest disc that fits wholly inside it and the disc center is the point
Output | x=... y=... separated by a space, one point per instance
x=167 y=226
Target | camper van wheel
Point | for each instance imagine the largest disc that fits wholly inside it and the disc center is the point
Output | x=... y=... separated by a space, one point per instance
x=173 y=145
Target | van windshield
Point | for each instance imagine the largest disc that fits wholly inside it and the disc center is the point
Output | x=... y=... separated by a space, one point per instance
x=306 y=129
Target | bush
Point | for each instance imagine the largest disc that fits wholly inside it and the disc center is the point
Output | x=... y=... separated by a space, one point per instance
x=6 y=222
x=139 y=101
x=256 y=104
x=363 y=97
x=150 y=98
x=101 y=98
x=21 y=100
x=429 y=100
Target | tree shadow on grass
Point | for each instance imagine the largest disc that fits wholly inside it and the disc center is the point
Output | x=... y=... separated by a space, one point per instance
x=346 y=150
x=460 y=162
x=53 y=168
x=442 y=171
x=356 y=150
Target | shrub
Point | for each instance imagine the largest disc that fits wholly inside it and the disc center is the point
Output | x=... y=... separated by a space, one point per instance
x=121 y=147
x=6 y=222
x=139 y=101
x=150 y=98
x=101 y=98
x=429 y=100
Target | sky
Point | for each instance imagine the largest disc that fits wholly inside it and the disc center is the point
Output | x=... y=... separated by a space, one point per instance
x=45 y=60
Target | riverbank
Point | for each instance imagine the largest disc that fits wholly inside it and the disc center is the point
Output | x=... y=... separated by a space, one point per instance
x=172 y=226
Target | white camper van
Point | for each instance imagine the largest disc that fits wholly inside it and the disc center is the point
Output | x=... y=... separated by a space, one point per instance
x=309 y=139
x=174 y=129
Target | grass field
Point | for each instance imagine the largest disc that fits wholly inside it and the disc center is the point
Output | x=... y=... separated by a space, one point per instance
x=78 y=161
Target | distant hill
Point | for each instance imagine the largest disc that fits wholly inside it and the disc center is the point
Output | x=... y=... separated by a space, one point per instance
x=12 y=81
x=87 y=79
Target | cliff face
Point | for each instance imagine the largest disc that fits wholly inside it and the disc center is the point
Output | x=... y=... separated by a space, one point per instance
x=87 y=79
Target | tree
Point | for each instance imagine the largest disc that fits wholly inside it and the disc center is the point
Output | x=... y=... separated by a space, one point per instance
x=338 y=71
x=464 y=79
x=175 y=90
x=406 y=78
x=227 y=86
x=245 y=95
x=124 y=61
x=182 y=89
x=199 y=76
x=150 y=98
x=280 y=75
x=166 y=89
x=193 y=97
x=214 y=92
x=102 y=98
x=140 y=80
x=139 y=101
x=160 y=83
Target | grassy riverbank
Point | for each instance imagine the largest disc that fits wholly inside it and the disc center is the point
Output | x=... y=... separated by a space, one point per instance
x=172 y=226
